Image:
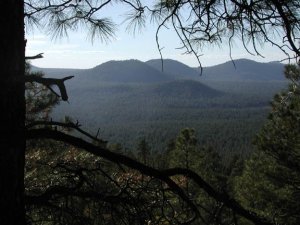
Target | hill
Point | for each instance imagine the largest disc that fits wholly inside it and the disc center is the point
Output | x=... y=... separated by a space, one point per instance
x=57 y=72
x=174 y=68
x=243 y=70
x=130 y=99
x=127 y=71
x=158 y=111
x=135 y=71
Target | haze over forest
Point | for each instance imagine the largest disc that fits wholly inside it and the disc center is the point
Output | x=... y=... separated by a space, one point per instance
x=131 y=100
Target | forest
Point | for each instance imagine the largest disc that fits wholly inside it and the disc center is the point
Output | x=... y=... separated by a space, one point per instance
x=226 y=114
x=238 y=164
x=256 y=169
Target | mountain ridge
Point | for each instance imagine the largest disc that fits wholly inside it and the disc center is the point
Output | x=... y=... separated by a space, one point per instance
x=127 y=110
x=245 y=69
x=174 y=68
x=125 y=71
x=131 y=71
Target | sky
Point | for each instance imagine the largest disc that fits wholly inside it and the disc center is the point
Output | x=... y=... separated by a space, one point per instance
x=77 y=51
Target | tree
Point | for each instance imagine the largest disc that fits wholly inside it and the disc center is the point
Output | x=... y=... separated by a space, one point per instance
x=196 y=23
x=270 y=180
x=12 y=107
x=39 y=99
x=184 y=154
x=144 y=151
x=207 y=22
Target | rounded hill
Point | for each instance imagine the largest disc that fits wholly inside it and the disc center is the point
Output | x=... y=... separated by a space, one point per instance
x=174 y=68
x=126 y=71
x=243 y=70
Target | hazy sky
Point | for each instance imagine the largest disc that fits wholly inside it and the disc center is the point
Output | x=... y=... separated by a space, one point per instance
x=77 y=51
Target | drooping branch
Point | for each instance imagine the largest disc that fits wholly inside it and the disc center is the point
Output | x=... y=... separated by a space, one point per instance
x=65 y=191
x=113 y=157
x=221 y=197
x=69 y=125
x=150 y=171
x=196 y=23
x=288 y=26
x=48 y=82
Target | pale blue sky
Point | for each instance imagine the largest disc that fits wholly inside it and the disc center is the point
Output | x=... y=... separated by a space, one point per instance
x=77 y=51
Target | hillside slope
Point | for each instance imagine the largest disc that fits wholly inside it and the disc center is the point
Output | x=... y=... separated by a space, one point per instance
x=243 y=70
x=127 y=71
x=174 y=68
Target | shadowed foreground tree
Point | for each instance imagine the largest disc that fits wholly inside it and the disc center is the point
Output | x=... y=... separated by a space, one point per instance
x=275 y=167
x=196 y=23
x=12 y=108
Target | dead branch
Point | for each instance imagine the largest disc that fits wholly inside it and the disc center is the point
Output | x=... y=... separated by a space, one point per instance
x=150 y=171
x=48 y=82
x=38 y=56
x=71 y=125
x=221 y=197
x=113 y=157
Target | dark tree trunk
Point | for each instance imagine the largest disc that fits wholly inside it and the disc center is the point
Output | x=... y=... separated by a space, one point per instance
x=12 y=109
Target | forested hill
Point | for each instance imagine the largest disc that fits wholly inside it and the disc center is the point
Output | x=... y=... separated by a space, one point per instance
x=174 y=68
x=243 y=70
x=130 y=99
x=127 y=71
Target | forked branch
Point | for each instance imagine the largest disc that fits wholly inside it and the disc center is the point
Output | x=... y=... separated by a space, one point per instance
x=49 y=82
x=150 y=171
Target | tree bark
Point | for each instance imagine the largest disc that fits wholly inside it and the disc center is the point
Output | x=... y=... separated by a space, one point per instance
x=12 y=109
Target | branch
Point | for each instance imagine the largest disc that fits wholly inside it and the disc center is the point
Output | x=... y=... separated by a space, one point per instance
x=38 y=56
x=64 y=191
x=71 y=125
x=221 y=197
x=111 y=156
x=152 y=172
x=287 y=25
x=48 y=82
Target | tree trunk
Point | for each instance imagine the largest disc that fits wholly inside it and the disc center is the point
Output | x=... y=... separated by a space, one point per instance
x=12 y=109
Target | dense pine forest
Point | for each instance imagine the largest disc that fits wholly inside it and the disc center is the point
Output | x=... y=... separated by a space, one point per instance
x=229 y=132
x=147 y=104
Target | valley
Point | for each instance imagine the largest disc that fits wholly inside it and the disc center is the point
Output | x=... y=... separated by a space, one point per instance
x=130 y=100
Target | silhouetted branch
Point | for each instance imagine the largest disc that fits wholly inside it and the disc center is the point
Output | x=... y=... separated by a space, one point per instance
x=221 y=197
x=196 y=23
x=287 y=24
x=38 y=56
x=71 y=125
x=65 y=191
x=152 y=172
x=48 y=82
x=113 y=157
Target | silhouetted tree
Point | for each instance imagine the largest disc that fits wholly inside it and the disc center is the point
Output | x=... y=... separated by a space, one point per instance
x=12 y=108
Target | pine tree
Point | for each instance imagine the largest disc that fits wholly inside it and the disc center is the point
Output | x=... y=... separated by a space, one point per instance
x=144 y=151
x=270 y=180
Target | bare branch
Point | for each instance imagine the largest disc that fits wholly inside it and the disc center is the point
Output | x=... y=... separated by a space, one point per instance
x=48 y=82
x=197 y=23
x=152 y=172
x=221 y=197
x=38 y=56
x=71 y=125
x=111 y=156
